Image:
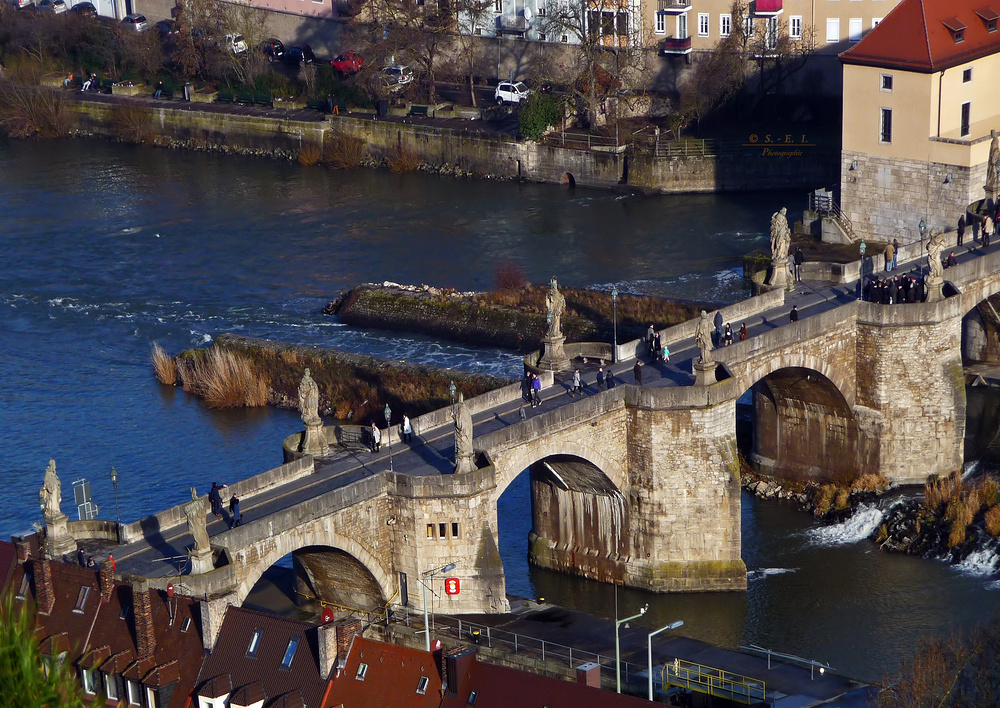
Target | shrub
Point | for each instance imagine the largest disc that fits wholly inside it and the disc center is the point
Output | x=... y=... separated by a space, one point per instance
x=842 y=500
x=224 y=379
x=508 y=276
x=956 y=536
x=31 y=111
x=539 y=112
x=132 y=122
x=310 y=154
x=989 y=491
x=992 y=518
x=870 y=482
x=344 y=151
x=164 y=366
x=401 y=159
x=823 y=500
x=938 y=490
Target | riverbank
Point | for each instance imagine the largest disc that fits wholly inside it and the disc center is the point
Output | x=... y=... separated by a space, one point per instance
x=241 y=371
x=454 y=146
x=509 y=317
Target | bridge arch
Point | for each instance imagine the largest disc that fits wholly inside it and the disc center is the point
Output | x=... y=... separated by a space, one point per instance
x=799 y=360
x=316 y=534
x=511 y=463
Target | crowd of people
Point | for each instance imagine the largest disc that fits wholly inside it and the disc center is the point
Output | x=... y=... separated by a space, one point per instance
x=894 y=290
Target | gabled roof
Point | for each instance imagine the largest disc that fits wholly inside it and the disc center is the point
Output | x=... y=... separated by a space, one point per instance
x=920 y=35
x=391 y=677
x=8 y=561
x=262 y=672
x=77 y=602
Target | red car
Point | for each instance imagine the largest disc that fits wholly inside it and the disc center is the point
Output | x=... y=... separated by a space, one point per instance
x=349 y=62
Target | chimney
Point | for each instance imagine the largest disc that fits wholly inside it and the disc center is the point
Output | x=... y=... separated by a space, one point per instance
x=455 y=669
x=23 y=547
x=589 y=674
x=326 y=636
x=347 y=630
x=444 y=673
x=45 y=593
x=106 y=580
x=142 y=609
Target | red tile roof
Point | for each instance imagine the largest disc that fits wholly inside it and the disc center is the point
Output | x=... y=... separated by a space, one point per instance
x=919 y=35
x=8 y=561
x=263 y=671
x=391 y=678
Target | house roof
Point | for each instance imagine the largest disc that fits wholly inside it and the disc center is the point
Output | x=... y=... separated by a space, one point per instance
x=263 y=672
x=391 y=677
x=8 y=561
x=77 y=602
x=928 y=36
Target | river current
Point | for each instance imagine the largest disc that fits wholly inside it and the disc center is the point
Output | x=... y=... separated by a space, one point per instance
x=106 y=249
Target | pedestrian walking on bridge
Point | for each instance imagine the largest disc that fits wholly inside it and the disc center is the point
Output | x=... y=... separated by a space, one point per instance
x=600 y=378
x=407 y=429
x=577 y=384
x=799 y=259
x=536 y=391
x=235 y=517
x=376 y=438
x=637 y=372
x=793 y=316
x=717 y=321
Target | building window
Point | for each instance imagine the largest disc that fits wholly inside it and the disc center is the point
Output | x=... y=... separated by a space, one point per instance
x=81 y=599
x=771 y=38
x=422 y=685
x=22 y=589
x=833 y=29
x=498 y=7
x=661 y=23
x=541 y=8
x=966 y=114
x=442 y=530
x=362 y=670
x=886 y=82
x=124 y=613
x=959 y=36
x=255 y=643
x=430 y=530
x=541 y=36
x=875 y=21
x=748 y=26
x=885 y=128
x=150 y=698
x=454 y=529
x=134 y=694
x=725 y=25
x=967 y=76
x=991 y=25
x=702 y=24
x=286 y=660
x=111 y=687
x=186 y=625
x=795 y=26
x=854 y=29
x=472 y=698
x=87 y=679
x=682 y=26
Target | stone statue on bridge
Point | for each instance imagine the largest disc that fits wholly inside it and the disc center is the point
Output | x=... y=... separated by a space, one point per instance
x=465 y=457
x=555 y=304
x=934 y=248
x=992 y=167
x=781 y=237
x=704 y=368
x=309 y=399
x=50 y=495
x=201 y=554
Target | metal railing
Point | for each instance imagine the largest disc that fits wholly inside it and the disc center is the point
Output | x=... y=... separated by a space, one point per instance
x=822 y=201
x=813 y=665
x=713 y=681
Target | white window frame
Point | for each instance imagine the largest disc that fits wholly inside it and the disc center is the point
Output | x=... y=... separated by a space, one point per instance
x=87 y=681
x=682 y=26
x=881 y=114
x=967 y=72
x=795 y=27
x=133 y=692
x=660 y=20
x=875 y=22
x=703 y=23
x=832 y=30
x=771 y=32
x=855 y=29
x=725 y=24
x=881 y=83
x=111 y=687
x=151 y=697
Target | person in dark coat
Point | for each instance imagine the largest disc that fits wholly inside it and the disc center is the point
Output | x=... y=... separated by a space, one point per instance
x=600 y=378
x=893 y=291
x=717 y=321
x=610 y=379
x=235 y=517
x=536 y=391
x=215 y=497
x=793 y=316
x=637 y=372
x=729 y=334
x=799 y=259
x=961 y=229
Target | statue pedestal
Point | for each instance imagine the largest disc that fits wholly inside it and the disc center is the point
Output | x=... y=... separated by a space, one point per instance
x=58 y=540
x=935 y=286
x=201 y=561
x=465 y=463
x=779 y=272
x=555 y=356
x=704 y=373
x=314 y=439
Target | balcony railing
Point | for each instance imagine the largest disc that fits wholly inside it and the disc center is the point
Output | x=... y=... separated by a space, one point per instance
x=674 y=6
x=676 y=45
x=514 y=24
x=767 y=8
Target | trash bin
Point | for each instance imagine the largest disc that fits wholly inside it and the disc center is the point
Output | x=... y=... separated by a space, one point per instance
x=187 y=91
x=383 y=108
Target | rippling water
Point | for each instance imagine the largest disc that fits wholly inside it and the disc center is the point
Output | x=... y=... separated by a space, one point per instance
x=107 y=249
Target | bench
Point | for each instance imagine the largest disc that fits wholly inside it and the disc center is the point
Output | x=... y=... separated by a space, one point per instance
x=320 y=106
x=245 y=98
x=225 y=97
x=263 y=99
x=107 y=85
x=418 y=111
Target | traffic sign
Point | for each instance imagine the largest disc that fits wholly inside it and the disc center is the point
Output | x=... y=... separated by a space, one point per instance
x=452 y=586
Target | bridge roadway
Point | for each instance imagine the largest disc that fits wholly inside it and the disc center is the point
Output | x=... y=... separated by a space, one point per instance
x=161 y=554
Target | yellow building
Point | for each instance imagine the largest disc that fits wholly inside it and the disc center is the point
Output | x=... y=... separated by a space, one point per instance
x=920 y=98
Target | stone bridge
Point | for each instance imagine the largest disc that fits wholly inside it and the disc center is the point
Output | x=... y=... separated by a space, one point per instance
x=636 y=485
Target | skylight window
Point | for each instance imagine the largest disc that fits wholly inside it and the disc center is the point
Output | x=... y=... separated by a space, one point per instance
x=124 y=613
x=22 y=590
x=186 y=625
x=362 y=670
x=81 y=599
x=286 y=660
x=956 y=27
x=422 y=685
x=472 y=698
x=255 y=643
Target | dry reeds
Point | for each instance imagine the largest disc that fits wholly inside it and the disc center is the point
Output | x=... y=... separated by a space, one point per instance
x=28 y=111
x=508 y=276
x=132 y=122
x=164 y=366
x=938 y=490
x=224 y=379
x=344 y=151
x=310 y=154
x=402 y=159
x=992 y=518
x=870 y=482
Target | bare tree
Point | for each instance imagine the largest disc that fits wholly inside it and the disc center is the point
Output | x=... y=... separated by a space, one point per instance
x=474 y=16
x=241 y=18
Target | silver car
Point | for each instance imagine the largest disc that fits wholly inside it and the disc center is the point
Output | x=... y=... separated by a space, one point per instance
x=135 y=22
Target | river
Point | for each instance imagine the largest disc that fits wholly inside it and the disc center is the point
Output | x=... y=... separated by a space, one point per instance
x=107 y=249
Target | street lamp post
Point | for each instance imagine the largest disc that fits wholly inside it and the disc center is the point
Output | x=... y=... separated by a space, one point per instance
x=861 y=274
x=424 y=577
x=618 y=653
x=388 y=432
x=614 y=319
x=923 y=230
x=118 y=515
x=672 y=625
x=452 y=389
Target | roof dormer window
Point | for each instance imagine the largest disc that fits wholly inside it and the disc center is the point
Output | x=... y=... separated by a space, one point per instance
x=957 y=29
x=254 y=643
x=989 y=17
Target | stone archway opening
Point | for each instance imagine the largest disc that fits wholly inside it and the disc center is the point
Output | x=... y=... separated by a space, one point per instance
x=562 y=513
x=981 y=333
x=794 y=423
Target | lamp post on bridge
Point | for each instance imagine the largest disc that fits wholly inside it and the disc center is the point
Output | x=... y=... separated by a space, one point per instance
x=452 y=389
x=618 y=652
x=649 y=639
x=923 y=231
x=861 y=275
x=388 y=432
x=424 y=577
x=118 y=515
x=614 y=320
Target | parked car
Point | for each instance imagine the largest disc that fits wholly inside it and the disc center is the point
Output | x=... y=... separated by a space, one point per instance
x=511 y=92
x=350 y=62
x=135 y=22
x=300 y=54
x=396 y=77
x=86 y=9
x=272 y=48
x=236 y=44
x=56 y=7
x=166 y=29
x=20 y=4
